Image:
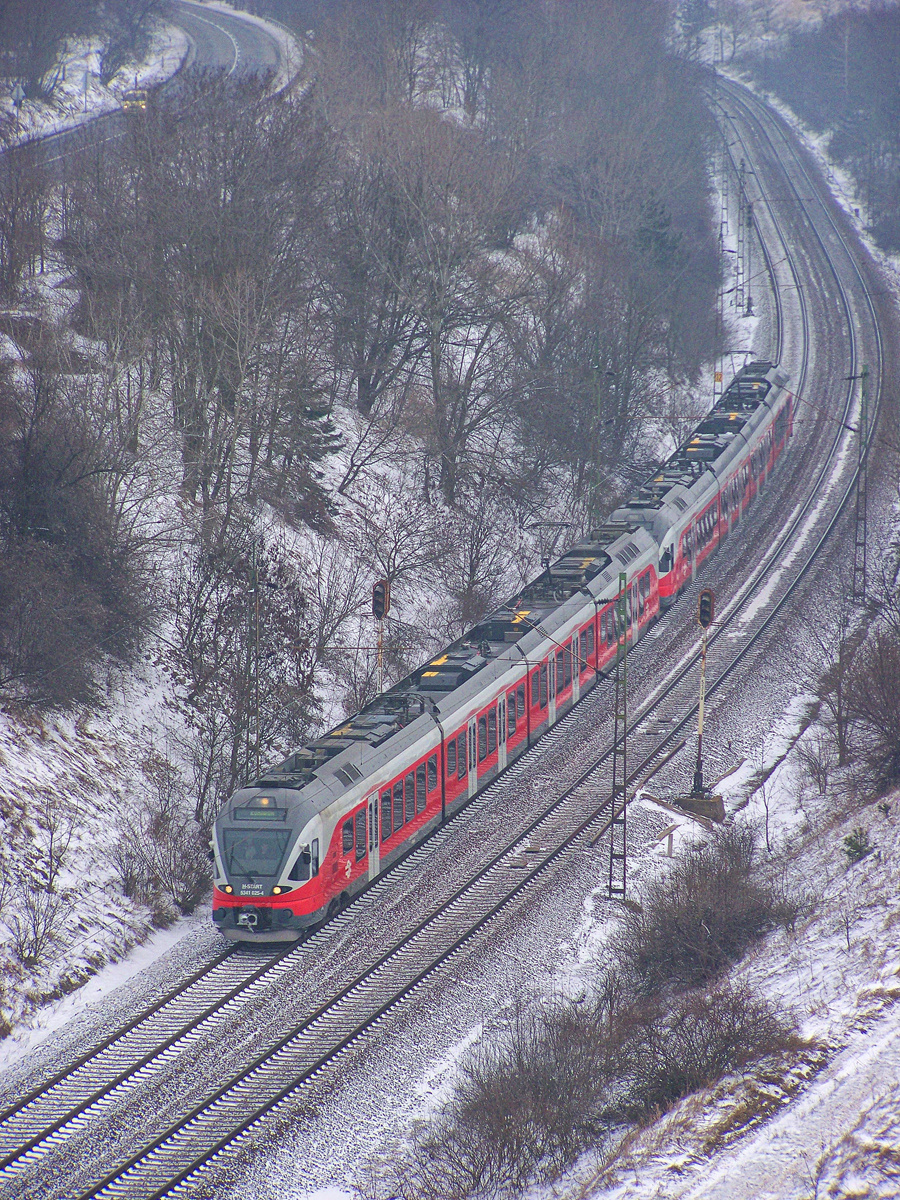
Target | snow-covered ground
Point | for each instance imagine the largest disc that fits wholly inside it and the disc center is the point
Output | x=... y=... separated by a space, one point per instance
x=80 y=96
x=829 y=1118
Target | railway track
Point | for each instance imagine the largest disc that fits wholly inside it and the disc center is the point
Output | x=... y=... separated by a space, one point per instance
x=49 y=1141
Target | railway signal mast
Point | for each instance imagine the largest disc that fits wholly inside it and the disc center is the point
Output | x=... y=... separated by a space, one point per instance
x=706 y=607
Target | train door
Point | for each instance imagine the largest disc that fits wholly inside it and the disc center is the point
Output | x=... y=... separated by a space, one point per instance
x=473 y=755
x=501 y=733
x=552 y=681
x=578 y=653
x=374 y=851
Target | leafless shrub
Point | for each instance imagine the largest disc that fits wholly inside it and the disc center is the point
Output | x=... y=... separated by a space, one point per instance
x=529 y=1099
x=127 y=860
x=568 y=1076
x=874 y=704
x=818 y=759
x=34 y=918
x=700 y=916
x=161 y=856
x=697 y=1038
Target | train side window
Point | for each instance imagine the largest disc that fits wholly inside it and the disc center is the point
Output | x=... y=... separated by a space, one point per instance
x=482 y=739
x=461 y=765
x=492 y=731
x=536 y=688
x=420 y=788
x=386 y=824
x=300 y=869
x=360 y=834
x=567 y=664
x=314 y=857
x=451 y=757
x=521 y=694
x=543 y=695
x=432 y=774
x=347 y=836
x=410 y=790
x=511 y=714
x=589 y=641
x=398 y=805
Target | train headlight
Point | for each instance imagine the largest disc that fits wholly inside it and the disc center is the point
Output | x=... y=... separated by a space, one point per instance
x=228 y=888
x=280 y=888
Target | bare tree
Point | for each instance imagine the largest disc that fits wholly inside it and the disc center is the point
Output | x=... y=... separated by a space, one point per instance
x=126 y=26
x=456 y=199
x=338 y=591
x=33 y=32
x=24 y=206
x=240 y=660
x=398 y=534
x=207 y=229
x=57 y=819
x=832 y=638
x=70 y=590
x=367 y=261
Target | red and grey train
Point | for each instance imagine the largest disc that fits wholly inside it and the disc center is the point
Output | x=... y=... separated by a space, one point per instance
x=295 y=844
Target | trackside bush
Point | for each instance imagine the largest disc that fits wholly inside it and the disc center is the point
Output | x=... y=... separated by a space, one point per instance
x=700 y=916
x=567 y=1076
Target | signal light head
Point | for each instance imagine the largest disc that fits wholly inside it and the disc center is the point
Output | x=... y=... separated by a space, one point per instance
x=381 y=598
x=706 y=606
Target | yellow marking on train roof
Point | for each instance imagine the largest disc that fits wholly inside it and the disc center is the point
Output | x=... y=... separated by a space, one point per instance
x=586 y=562
x=430 y=674
x=436 y=662
x=521 y=615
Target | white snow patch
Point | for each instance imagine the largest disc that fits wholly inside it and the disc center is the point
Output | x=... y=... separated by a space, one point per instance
x=53 y=1016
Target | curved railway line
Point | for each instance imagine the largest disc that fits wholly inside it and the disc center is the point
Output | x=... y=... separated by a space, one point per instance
x=121 y=1097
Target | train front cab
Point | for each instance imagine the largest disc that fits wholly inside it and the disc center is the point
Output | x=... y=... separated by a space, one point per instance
x=267 y=884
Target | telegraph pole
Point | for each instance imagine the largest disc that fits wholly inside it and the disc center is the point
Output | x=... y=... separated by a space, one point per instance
x=618 y=827
x=706 y=603
x=861 y=531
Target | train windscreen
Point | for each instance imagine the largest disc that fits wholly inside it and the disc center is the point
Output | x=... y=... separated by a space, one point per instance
x=254 y=852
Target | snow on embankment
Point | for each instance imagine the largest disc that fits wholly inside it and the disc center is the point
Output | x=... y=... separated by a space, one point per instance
x=67 y=789
x=827 y=1118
